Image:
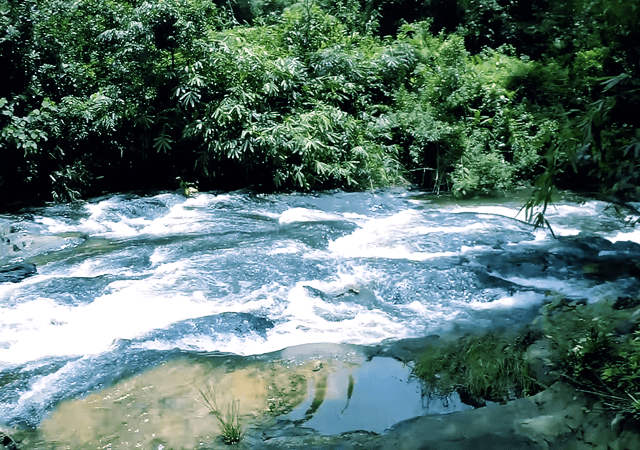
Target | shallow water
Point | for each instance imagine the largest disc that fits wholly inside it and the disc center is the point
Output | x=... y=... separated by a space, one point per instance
x=164 y=407
x=371 y=396
x=127 y=283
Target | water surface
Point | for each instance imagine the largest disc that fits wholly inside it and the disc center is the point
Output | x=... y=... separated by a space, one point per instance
x=126 y=283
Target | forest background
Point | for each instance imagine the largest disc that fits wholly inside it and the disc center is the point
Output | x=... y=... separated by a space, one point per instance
x=464 y=96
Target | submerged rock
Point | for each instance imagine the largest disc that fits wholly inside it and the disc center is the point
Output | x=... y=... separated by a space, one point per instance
x=240 y=324
x=16 y=272
x=544 y=266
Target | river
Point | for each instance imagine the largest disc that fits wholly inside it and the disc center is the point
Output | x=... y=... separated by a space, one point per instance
x=128 y=282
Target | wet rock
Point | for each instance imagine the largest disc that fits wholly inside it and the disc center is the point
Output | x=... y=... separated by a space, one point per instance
x=627 y=247
x=538 y=356
x=7 y=442
x=402 y=350
x=626 y=303
x=490 y=281
x=17 y=272
x=548 y=425
x=628 y=438
x=590 y=244
x=313 y=292
x=290 y=431
x=18 y=244
x=241 y=324
x=598 y=434
x=576 y=257
x=605 y=431
x=12 y=242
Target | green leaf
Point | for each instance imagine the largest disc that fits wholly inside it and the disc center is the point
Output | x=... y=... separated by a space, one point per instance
x=611 y=82
x=163 y=143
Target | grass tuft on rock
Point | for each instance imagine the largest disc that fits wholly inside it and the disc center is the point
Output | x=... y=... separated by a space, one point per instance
x=230 y=429
x=597 y=348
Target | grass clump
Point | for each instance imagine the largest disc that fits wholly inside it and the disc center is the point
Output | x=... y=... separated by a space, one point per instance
x=487 y=366
x=230 y=429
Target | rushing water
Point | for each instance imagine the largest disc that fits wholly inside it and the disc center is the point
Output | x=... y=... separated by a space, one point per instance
x=126 y=282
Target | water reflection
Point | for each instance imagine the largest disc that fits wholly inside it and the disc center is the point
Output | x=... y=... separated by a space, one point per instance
x=371 y=396
x=164 y=407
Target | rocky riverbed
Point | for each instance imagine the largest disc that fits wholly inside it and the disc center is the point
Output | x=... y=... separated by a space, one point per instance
x=322 y=397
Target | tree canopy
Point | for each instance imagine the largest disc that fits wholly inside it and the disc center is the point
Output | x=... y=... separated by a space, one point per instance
x=465 y=96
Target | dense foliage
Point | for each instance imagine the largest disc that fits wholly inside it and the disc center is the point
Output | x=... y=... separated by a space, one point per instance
x=468 y=95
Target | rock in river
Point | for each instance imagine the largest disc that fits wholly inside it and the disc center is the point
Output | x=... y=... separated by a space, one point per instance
x=16 y=272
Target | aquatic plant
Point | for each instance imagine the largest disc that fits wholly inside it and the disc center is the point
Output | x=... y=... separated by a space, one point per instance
x=285 y=392
x=230 y=429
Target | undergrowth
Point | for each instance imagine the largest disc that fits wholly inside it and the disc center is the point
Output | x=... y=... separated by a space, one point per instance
x=595 y=347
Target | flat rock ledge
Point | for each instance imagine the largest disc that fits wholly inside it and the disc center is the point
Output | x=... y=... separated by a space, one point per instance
x=558 y=418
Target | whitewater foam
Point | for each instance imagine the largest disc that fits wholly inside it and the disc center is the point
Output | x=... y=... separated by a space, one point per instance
x=633 y=236
x=294 y=215
x=41 y=327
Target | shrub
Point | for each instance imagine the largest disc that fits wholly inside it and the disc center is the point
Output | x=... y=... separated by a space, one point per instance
x=481 y=169
x=462 y=119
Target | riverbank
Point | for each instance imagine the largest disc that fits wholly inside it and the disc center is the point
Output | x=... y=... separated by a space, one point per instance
x=557 y=418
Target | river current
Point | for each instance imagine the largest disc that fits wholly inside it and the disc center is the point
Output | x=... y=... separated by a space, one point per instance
x=126 y=282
